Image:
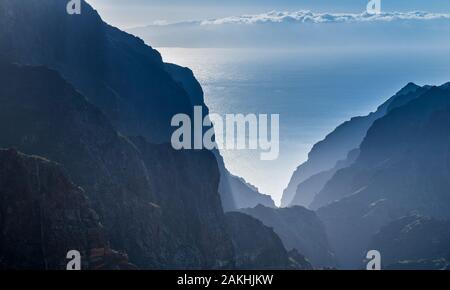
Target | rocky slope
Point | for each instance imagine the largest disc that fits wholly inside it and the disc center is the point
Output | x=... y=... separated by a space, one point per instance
x=258 y=247
x=117 y=72
x=43 y=216
x=308 y=189
x=299 y=229
x=337 y=145
x=130 y=194
x=234 y=191
x=186 y=185
x=403 y=168
x=414 y=242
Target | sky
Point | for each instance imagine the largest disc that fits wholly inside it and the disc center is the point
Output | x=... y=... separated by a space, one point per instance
x=132 y=13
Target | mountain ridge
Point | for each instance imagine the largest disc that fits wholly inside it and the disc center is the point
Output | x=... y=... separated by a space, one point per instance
x=336 y=145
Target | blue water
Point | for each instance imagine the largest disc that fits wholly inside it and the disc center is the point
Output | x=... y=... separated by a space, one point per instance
x=312 y=90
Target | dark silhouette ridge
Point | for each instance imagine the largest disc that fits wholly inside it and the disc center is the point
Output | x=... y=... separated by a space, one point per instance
x=258 y=247
x=403 y=168
x=336 y=146
x=234 y=191
x=116 y=71
x=299 y=229
x=136 y=191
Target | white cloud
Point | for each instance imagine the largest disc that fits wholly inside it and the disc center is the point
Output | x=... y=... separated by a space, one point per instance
x=311 y=17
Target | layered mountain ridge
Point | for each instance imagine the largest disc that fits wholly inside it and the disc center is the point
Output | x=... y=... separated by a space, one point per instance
x=103 y=112
x=299 y=229
x=328 y=153
x=402 y=169
x=115 y=71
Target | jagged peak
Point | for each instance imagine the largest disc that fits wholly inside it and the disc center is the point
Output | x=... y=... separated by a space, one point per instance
x=410 y=87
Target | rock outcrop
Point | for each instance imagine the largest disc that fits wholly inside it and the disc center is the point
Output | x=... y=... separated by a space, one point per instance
x=299 y=229
x=258 y=247
x=414 y=242
x=115 y=71
x=234 y=191
x=43 y=216
x=403 y=168
x=337 y=145
x=130 y=194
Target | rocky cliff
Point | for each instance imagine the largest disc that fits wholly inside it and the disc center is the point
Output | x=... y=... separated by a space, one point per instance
x=130 y=192
x=43 y=216
x=414 y=242
x=336 y=146
x=234 y=191
x=115 y=71
x=403 y=168
x=299 y=229
x=258 y=247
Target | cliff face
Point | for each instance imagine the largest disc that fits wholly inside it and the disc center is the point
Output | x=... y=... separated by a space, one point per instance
x=403 y=168
x=258 y=247
x=132 y=196
x=116 y=71
x=160 y=206
x=308 y=189
x=234 y=191
x=186 y=187
x=337 y=145
x=299 y=229
x=414 y=242
x=44 y=216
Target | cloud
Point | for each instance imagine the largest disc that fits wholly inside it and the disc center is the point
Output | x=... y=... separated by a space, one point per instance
x=311 y=17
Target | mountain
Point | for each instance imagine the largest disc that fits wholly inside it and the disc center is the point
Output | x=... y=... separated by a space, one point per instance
x=414 y=242
x=44 y=216
x=336 y=146
x=117 y=72
x=299 y=229
x=151 y=199
x=159 y=206
x=258 y=247
x=235 y=192
x=403 y=168
x=308 y=189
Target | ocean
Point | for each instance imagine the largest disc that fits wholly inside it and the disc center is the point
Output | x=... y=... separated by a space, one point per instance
x=313 y=91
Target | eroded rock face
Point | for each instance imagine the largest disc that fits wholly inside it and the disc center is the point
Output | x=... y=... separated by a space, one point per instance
x=234 y=191
x=337 y=145
x=159 y=207
x=414 y=242
x=185 y=183
x=43 y=215
x=299 y=229
x=119 y=74
x=116 y=71
x=258 y=247
x=403 y=168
